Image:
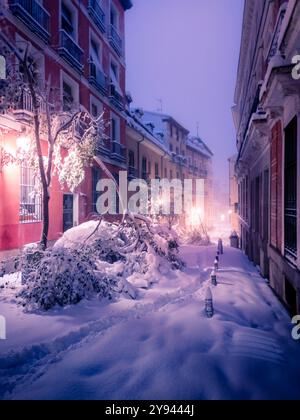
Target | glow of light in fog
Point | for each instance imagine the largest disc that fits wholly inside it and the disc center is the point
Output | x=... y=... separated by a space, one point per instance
x=195 y=218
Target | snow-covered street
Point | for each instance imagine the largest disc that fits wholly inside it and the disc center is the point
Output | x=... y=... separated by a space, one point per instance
x=160 y=346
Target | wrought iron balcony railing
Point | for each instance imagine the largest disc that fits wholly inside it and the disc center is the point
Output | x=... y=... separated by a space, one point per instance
x=103 y=147
x=118 y=151
x=98 y=79
x=133 y=173
x=97 y=14
x=24 y=110
x=33 y=15
x=115 y=40
x=112 y=149
x=70 y=51
x=115 y=98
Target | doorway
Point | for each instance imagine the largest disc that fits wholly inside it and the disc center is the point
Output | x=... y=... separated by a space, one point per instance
x=68 y=212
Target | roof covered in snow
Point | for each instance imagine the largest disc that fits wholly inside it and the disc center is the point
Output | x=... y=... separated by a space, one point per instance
x=159 y=119
x=147 y=129
x=198 y=144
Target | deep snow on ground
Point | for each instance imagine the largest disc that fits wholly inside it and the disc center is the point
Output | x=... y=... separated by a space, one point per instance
x=160 y=346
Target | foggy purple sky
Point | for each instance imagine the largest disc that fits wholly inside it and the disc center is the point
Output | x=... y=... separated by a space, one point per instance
x=186 y=53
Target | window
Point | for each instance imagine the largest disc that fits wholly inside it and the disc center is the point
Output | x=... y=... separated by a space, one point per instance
x=171 y=175
x=33 y=66
x=171 y=130
x=67 y=20
x=177 y=134
x=70 y=92
x=266 y=204
x=290 y=182
x=96 y=107
x=114 y=17
x=68 y=98
x=144 y=169
x=166 y=173
x=257 y=205
x=115 y=129
x=149 y=168
x=156 y=171
x=115 y=77
x=94 y=110
x=95 y=52
x=171 y=147
x=177 y=151
x=131 y=159
x=30 y=199
x=96 y=194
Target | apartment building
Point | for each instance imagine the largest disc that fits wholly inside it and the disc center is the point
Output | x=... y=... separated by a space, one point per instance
x=199 y=161
x=160 y=147
x=79 y=46
x=266 y=116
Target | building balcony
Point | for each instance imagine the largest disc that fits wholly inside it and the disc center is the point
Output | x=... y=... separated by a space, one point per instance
x=103 y=147
x=116 y=99
x=133 y=173
x=70 y=51
x=115 y=40
x=111 y=149
x=98 y=79
x=24 y=110
x=118 y=152
x=97 y=14
x=33 y=15
x=203 y=173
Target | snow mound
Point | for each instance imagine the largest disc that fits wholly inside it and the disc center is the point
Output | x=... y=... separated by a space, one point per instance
x=97 y=258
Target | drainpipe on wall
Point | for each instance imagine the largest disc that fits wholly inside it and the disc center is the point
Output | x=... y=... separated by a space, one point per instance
x=139 y=161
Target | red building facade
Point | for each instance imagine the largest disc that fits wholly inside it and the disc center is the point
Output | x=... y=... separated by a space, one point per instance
x=80 y=46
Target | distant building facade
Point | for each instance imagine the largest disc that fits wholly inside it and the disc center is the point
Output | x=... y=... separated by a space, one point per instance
x=177 y=155
x=199 y=160
x=267 y=119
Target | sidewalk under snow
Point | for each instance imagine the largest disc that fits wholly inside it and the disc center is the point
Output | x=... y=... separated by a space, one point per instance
x=160 y=346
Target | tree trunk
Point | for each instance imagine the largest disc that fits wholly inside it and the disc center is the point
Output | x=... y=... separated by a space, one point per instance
x=45 y=231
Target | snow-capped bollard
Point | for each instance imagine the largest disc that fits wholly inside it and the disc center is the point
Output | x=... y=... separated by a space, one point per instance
x=214 y=278
x=220 y=246
x=218 y=258
x=216 y=265
x=209 y=306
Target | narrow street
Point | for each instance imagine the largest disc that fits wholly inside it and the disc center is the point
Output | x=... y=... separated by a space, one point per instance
x=162 y=345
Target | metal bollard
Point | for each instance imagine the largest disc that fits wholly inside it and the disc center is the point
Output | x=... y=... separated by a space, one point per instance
x=209 y=307
x=214 y=278
x=220 y=246
x=216 y=265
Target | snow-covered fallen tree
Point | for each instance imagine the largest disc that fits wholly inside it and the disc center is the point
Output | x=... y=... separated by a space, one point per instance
x=100 y=259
